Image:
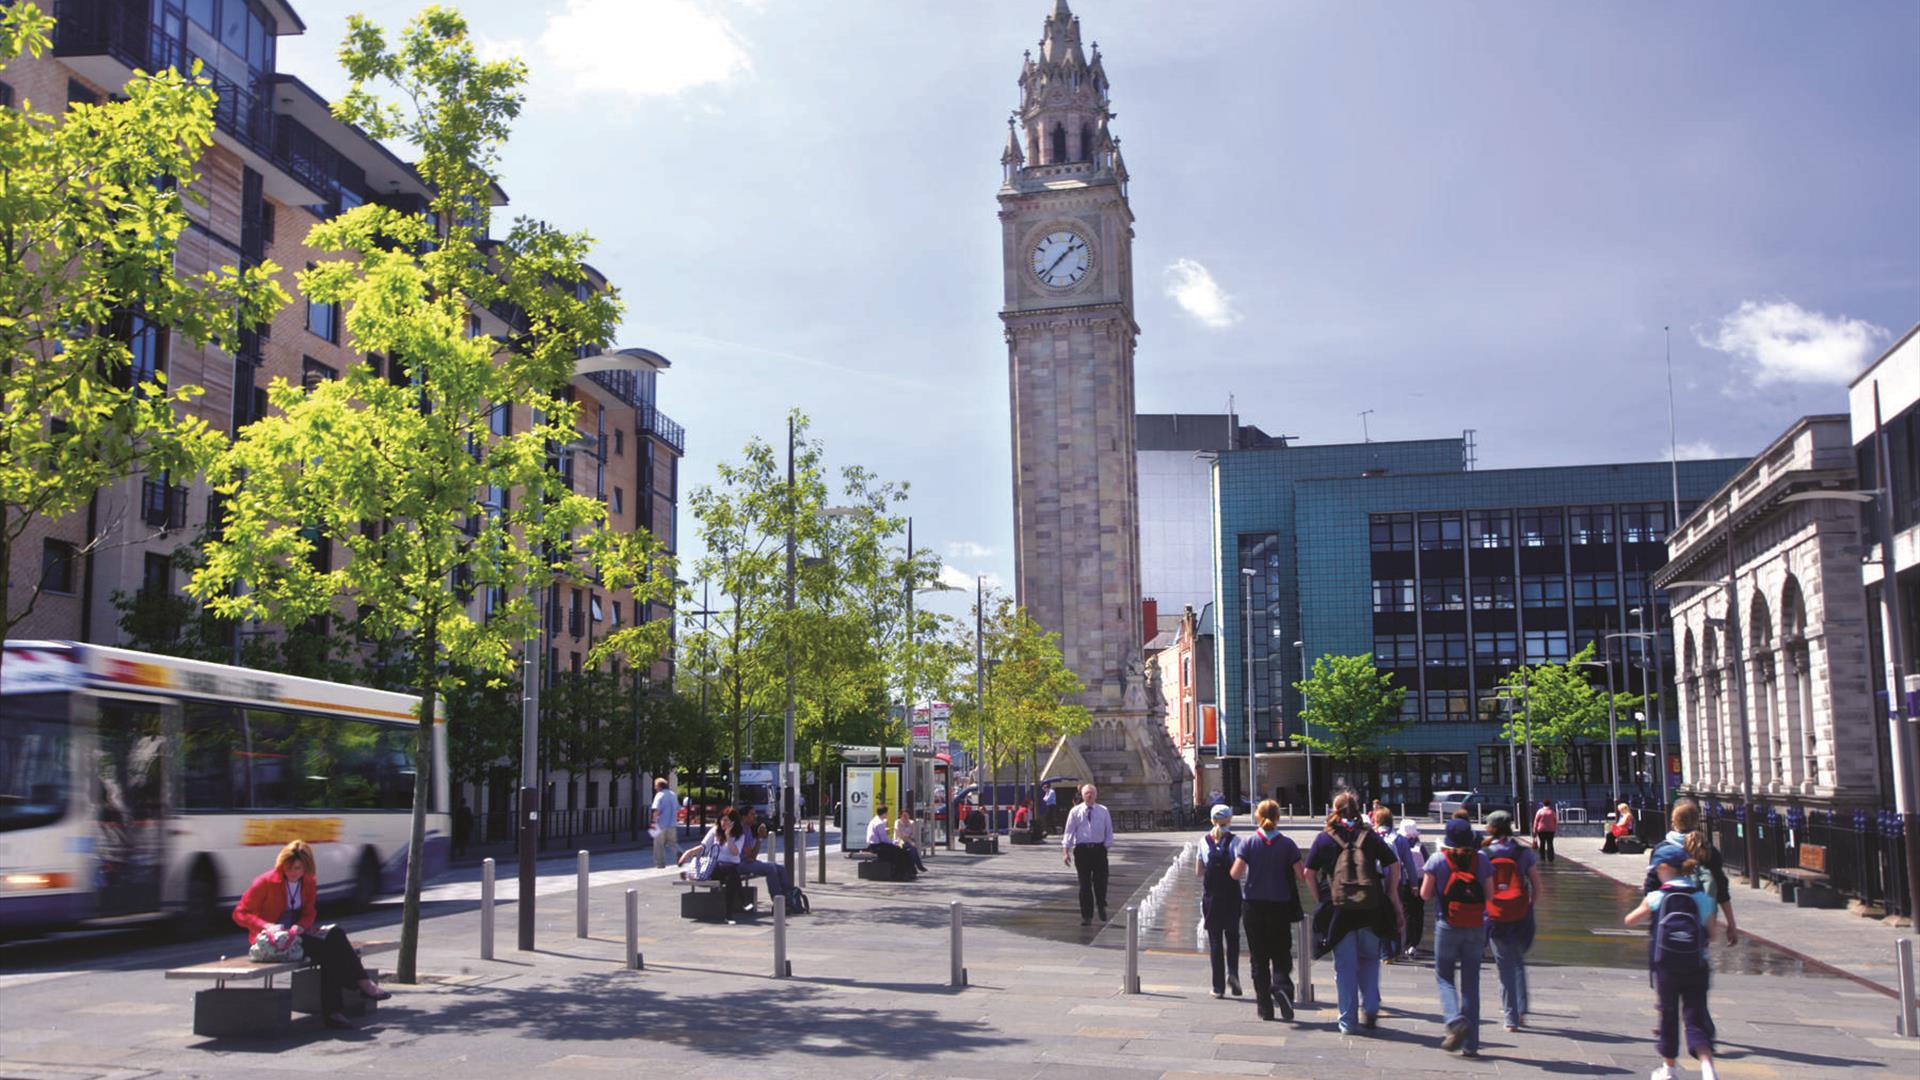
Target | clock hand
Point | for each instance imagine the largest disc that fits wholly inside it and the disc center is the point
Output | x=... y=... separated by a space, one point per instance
x=1057 y=262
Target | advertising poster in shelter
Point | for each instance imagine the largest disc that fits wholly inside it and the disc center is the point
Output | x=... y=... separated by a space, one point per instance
x=867 y=786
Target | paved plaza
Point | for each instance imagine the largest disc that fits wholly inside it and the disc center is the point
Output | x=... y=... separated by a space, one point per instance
x=869 y=996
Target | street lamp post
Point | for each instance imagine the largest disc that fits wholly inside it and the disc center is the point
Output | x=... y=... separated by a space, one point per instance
x=627 y=360
x=1646 y=692
x=787 y=778
x=1301 y=648
x=979 y=692
x=1246 y=650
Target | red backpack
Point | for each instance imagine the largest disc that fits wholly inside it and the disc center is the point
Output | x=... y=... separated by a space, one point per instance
x=1509 y=902
x=1463 y=897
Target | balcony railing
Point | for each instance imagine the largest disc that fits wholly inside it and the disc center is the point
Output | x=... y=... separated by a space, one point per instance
x=123 y=31
x=163 y=506
x=662 y=427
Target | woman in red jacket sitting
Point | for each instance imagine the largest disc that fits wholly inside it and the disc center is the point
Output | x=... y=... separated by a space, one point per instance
x=284 y=896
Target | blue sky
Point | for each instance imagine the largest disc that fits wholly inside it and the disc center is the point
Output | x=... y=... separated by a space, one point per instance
x=1455 y=215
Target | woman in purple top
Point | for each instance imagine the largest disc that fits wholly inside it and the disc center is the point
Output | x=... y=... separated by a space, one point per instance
x=1266 y=865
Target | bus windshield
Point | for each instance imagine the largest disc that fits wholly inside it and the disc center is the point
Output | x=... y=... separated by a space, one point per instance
x=35 y=760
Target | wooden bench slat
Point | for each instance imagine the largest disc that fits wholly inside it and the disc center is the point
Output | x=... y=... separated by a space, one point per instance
x=242 y=968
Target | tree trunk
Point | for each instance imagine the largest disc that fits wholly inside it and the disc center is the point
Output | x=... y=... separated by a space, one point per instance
x=405 y=969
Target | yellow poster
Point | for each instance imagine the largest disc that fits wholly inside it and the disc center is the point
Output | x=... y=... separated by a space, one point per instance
x=867 y=789
x=277 y=832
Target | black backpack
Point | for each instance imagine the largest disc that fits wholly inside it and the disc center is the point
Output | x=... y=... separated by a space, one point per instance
x=797 y=902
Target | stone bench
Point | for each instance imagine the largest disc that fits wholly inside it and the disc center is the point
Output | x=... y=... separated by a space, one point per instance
x=870 y=867
x=981 y=844
x=1024 y=837
x=256 y=1011
x=706 y=901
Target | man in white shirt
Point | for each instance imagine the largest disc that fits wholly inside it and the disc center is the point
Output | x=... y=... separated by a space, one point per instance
x=1084 y=843
x=884 y=848
x=666 y=823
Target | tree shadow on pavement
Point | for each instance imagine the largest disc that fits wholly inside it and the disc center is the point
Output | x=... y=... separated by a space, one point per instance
x=793 y=1015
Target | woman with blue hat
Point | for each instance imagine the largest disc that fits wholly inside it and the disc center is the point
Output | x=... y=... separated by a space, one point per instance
x=1220 y=901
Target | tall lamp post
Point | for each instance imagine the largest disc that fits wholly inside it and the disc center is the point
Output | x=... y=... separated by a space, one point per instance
x=1613 y=729
x=1301 y=648
x=1246 y=651
x=625 y=360
x=1645 y=693
x=1658 y=680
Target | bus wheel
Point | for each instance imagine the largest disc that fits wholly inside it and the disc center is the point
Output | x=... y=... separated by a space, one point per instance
x=202 y=911
x=366 y=881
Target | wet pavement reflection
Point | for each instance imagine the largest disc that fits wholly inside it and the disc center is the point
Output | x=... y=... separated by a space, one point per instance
x=1578 y=923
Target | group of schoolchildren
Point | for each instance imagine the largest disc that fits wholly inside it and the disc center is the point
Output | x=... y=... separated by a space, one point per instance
x=730 y=853
x=1481 y=889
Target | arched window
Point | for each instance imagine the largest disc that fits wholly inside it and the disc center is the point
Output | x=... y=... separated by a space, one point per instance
x=1086 y=142
x=1059 y=147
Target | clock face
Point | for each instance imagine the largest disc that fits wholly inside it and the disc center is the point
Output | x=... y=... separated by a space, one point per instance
x=1061 y=259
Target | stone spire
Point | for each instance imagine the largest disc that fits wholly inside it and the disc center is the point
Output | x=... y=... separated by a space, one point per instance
x=1063 y=97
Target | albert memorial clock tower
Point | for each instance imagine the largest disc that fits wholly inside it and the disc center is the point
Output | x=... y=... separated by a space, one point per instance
x=1067 y=238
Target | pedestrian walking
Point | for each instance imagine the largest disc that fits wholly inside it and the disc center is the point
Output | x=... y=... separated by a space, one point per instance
x=1683 y=912
x=1365 y=908
x=1391 y=948
x=1413 y=870
x=1459 y=879
x=1220 y=901
x=1684 y=821
x=1085 y=843
x=666 y=824
x=1266 y=865
x=1546 y=823
x=1510 y=919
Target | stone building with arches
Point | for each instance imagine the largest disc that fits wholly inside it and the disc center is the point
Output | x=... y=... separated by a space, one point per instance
x=1775 y=685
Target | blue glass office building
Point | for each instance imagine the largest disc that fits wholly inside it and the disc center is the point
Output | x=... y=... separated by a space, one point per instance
x=1450 y=578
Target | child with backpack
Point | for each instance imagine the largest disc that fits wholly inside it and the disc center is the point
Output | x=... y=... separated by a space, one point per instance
x=1683 y=912
x=1458 y=881
x=1510 y=924
x=1365 y=903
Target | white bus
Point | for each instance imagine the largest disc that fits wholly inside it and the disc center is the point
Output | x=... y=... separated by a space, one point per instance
x=134 y=785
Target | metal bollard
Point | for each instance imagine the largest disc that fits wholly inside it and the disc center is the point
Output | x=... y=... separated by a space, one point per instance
x=633 y=929
x=959 y=977
x=1303 y=978
x=1903 y=970
x=580 y=895
x=781 y=969
x=1131 y=983
x=486 y=909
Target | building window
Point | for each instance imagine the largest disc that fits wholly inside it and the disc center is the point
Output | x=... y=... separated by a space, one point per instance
x=79 y=94
x=1590 y=524
x=619 y=501
x=313 y=373
x=1537 y=591
x=1496 y=648
x=323 y=320
x=1541 y=527
x=1393 y=594
x=1490 y=528
x=616 y=613
x=500 y=420
x=1443 y=594
x=146 y=350
x=1493 y=594
x=1595 y=590
x=1644 y=523
x=6 y=95
x=1396 y=650
x=576 y=617
x=1445 y=650
x=1445 y=706
x=1391 y=532
x=156 y=575
x=493 y=599
x=1547 y=646
x=598 y=614
x=1439 y=532
x=56 y=566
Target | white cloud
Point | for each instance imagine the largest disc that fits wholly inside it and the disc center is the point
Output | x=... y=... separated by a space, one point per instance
x=955 y=578
x=1784 y=342
x=1697 y=450
x=1193 y=288
x=968 y=549
x=642 y=48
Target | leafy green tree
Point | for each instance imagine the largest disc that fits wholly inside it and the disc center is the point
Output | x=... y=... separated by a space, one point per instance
x=1350 y=706
x=1029 y=693
x=392 y=471
x=91 y=213
x=1564 y=712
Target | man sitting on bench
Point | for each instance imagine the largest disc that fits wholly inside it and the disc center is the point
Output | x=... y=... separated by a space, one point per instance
x=884 y=849
x=976 y=822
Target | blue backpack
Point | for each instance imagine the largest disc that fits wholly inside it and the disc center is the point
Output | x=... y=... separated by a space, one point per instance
x=1678 y=944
